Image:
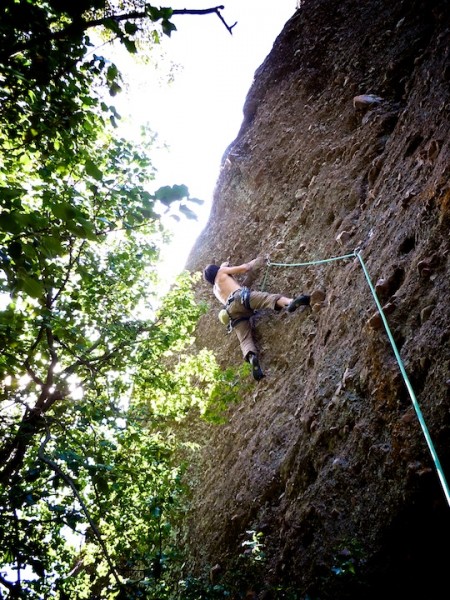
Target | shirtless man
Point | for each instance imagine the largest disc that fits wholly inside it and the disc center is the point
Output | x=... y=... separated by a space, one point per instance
x=241 y=303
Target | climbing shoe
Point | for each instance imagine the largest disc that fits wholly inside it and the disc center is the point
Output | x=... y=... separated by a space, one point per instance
x=302 y=300
x=256 y=369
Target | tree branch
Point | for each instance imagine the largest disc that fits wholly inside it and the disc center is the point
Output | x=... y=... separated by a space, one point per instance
x=55 y=467
x=13 y=452
x=143 y=15
x=7 y=584
x=81 y=25
x=37 y=380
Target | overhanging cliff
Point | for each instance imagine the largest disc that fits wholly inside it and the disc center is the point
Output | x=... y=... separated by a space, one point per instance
x=325 y=456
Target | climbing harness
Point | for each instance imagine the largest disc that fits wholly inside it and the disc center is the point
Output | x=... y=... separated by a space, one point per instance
x=357 y=254
x=225 y=317
x=245 y=298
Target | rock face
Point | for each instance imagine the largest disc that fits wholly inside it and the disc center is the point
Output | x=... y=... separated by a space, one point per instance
x=344 y=145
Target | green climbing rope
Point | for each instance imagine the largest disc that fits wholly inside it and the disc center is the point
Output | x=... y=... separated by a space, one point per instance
x=303 y=264
x=412 y=395
x=409 y=387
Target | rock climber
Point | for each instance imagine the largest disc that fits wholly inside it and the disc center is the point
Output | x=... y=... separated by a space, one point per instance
x=241 y=303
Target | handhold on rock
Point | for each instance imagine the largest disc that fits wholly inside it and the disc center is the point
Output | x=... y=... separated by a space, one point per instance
x=375 y=322
x=214 y=573
x=343 y=237
x=382 y=288
x=389 y=307
x=426 y=266
x=386 y=286
x=426 y=312
x=317 y=296
x=364 y=101
x=375 y=169
x=317 y=306
x=433 y=149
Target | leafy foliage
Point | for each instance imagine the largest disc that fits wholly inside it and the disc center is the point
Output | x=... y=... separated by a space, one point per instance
x=242 y=580
x=95 y=370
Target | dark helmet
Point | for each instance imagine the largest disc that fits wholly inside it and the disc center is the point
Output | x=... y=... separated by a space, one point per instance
x=210 y=272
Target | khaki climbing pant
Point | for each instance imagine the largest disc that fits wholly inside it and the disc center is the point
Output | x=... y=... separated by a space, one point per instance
x=240 y=316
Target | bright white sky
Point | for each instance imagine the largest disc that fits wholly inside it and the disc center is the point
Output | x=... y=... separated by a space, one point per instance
x=199 y=114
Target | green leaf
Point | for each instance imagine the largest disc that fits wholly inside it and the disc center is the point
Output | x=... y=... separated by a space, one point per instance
x=33 y=474
x=9 y=222
x=112 y=25
x=31 y=499
x=148 y=213
x=93 y=170
x=166 y=12
x=101 y=482
x=88 y=229
x=153 y=12
x=112 y=73
x=38 y=567
x=80 y=230
x=73 y=518
x=51 y=246
x=10 y=192
x=57 y=508
x=196 y=201
x=114 y=88
x=168 y=27
x=32 y=287
x=168 y=194
x=131 y=28
x=190 y=214
x=130 y=45
x=63 y=211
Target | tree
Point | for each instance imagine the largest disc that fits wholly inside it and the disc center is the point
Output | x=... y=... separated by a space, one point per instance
x=48 y=67
x=89 y=386
x=79 y=254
